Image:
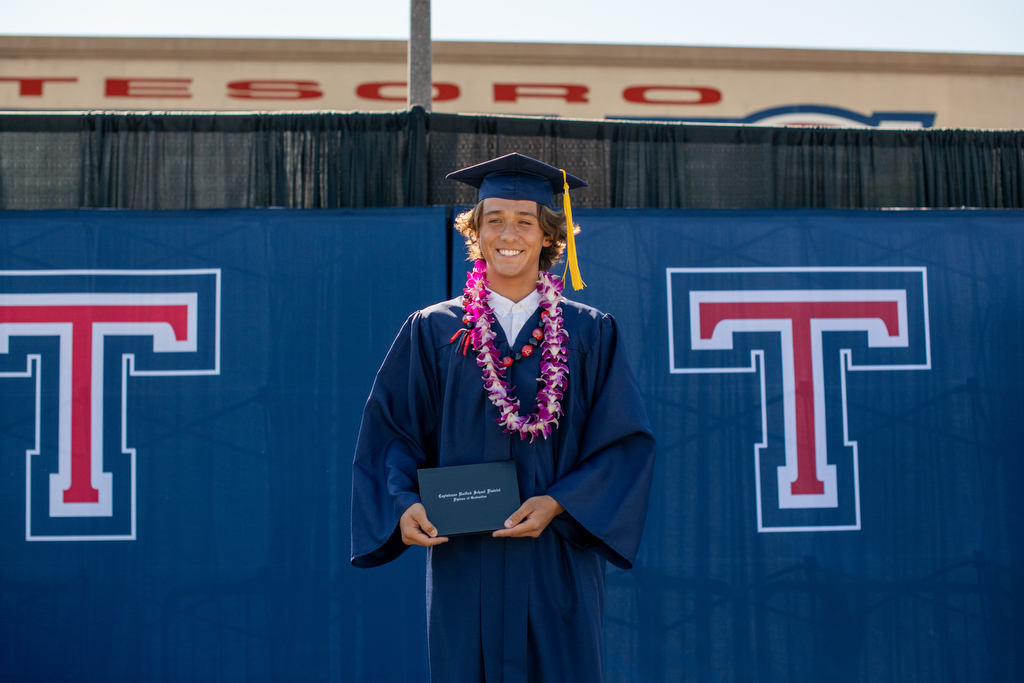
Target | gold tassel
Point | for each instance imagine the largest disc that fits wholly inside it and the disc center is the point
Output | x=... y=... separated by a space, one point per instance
x=571 y=264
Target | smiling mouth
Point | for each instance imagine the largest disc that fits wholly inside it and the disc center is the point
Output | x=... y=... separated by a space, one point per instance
x=510 y=252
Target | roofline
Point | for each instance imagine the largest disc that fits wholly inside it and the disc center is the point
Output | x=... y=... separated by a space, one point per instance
x=561 y=54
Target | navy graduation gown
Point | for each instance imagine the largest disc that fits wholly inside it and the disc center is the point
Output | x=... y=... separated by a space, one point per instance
x=508 y=610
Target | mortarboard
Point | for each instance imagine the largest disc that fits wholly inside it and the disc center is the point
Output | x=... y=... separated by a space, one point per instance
x=515 y=176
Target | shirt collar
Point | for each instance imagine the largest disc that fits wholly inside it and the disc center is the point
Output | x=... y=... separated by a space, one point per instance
x=503 y=306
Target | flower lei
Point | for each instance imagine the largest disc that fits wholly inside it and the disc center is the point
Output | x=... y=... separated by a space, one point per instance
x=553 y=370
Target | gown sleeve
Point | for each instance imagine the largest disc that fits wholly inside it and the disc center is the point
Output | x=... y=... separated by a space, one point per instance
x=394 y=436
x=607 y=493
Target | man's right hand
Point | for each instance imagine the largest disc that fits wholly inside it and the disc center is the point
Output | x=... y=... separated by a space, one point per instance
x=417 y=529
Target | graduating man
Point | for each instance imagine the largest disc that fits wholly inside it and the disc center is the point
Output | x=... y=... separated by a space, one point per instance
x=548 y=386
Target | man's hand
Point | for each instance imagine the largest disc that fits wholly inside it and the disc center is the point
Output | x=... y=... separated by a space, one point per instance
x=531 y=518
x=417 y=529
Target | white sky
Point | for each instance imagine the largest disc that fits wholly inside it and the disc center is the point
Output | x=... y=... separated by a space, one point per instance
x=910 y=25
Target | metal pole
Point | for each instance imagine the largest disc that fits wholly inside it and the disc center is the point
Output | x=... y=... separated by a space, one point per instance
x=421 y=88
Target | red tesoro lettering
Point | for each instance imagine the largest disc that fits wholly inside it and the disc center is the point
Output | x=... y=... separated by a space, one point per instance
x=511 y=92
x=638 y=94
x=156 y=88
x=33 y=87
x=374 y=91
x=274 y=90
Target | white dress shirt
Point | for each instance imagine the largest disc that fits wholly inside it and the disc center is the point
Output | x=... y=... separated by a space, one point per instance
x=512 y=315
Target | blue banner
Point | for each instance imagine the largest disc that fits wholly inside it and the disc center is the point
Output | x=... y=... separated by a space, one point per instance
x=837 y=399
x=836 y=395
x=181 y=394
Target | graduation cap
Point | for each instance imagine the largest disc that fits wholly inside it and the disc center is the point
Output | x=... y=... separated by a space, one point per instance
x=515 y=176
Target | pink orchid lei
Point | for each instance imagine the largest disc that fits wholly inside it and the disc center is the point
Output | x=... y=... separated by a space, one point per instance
x=553 y=370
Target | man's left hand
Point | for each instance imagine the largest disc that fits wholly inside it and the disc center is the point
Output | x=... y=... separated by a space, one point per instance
x=531 y=518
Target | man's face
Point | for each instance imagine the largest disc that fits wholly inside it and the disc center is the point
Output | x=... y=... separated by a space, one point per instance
x=510 y=241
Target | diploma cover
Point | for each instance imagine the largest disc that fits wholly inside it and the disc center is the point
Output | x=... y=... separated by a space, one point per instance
x=469 y=499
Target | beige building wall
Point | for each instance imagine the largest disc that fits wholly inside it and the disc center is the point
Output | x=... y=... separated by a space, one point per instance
x=761 y=86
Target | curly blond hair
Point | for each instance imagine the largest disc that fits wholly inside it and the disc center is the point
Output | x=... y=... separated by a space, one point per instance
x=551 y=222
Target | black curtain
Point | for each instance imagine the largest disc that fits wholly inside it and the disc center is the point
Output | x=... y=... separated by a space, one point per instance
x=211 y=161
x=161 y=160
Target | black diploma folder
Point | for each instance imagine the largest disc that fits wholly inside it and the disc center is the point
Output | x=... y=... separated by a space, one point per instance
x=469 y=499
